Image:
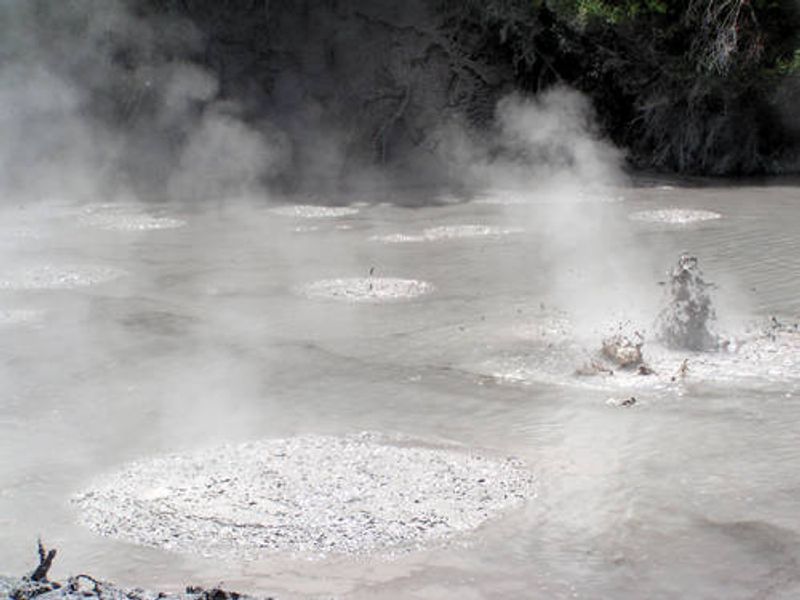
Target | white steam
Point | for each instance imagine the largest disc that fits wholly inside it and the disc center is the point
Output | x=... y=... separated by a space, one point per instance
x=561 y=181
x=96 y=100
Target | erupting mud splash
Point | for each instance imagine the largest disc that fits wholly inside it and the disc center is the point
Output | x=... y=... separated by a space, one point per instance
x=62 y=277
x=112 y=217
x=761 y=359
x=685 y=322
x=366 y=289
x=447 y=232
x=310 y=211
x=309 y=496
x=675 y=216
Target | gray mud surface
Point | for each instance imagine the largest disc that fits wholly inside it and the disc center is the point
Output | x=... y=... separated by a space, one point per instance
x=690 y=492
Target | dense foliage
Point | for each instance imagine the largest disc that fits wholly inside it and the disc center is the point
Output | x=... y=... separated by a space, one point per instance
x=703 y=86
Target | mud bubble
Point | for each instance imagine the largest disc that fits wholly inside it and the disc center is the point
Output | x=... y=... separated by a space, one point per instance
x=686 y=322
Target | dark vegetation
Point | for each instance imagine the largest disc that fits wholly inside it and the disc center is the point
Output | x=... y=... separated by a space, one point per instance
x=692 y=86
x=689 y=86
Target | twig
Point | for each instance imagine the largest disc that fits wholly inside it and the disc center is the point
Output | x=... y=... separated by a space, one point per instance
x=74 y=583
x=45 y=562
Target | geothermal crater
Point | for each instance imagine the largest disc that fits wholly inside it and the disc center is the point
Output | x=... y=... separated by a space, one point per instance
x=308 y=495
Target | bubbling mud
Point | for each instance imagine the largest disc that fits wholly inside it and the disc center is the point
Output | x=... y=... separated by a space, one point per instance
x=310 y=211
x=366 y=289
x=447 y=232
x=759 y=360
x=57 y=277
x=307 y=496
x=674 y=216
x=684 y=348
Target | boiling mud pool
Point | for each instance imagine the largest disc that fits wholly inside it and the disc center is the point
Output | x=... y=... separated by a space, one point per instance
x=181 y=342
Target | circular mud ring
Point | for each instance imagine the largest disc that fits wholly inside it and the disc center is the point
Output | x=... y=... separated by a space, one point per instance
x=674 y=216
x=306 y=496
x=125 y=217
x=310 y=211
x=131 y=222
x=366 y=289
x=447 y=232
x=51 y=277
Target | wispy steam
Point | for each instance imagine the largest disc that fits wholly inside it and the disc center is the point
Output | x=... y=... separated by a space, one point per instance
x=548 y=161
x=97 y=99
